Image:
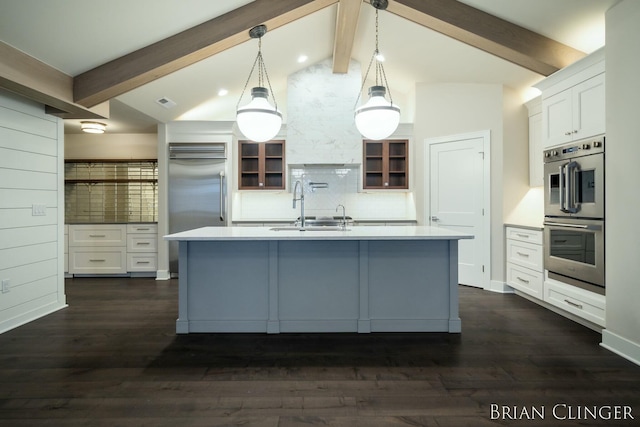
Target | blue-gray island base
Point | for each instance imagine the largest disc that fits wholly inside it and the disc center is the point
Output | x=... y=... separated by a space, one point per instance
x=366 y=279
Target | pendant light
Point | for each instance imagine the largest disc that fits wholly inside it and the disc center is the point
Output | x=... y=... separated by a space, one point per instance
x=258 y=120
x=377 y=118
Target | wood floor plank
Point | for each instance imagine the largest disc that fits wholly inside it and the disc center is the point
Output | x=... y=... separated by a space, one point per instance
x=112 y=358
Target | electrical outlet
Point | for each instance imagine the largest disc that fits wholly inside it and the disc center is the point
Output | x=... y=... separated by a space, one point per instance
x=38 y=210
x=5 y=286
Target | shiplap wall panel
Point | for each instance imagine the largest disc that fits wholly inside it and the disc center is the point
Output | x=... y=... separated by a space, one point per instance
x=28 y=236
x=10 y=138
x=27 y=123
x=31 y=246
x=22 y=218
x=38 y=294
x=29 y=254
x=12 y=198
x=23 y=277
x=11 y=159
x=28 y=180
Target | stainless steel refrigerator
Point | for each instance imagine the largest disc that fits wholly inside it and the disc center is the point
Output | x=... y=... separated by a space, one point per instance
x=197 y=190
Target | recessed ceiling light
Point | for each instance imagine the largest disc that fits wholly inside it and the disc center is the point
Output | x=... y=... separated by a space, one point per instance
x=222 y=92
x=302 y=58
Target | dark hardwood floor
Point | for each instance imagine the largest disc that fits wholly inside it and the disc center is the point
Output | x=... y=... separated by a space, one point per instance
x=113 y=359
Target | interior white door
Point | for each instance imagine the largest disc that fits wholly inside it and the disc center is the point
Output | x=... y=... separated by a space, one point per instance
x=456 y=200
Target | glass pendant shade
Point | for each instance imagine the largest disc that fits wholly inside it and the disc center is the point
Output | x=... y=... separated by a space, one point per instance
x=259 y=121
x=377 y=118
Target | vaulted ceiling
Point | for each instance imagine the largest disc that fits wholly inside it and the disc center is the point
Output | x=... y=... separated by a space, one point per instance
x=75 y=55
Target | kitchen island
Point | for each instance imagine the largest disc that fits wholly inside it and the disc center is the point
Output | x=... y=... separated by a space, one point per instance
x=362 y=279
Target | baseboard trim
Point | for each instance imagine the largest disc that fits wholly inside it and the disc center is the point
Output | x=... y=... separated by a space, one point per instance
x=621 y=346
x=163 y=275
x=30 y=316
x=500 y=287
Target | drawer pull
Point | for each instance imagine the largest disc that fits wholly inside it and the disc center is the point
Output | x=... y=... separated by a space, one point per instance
x=522 y=280
x=142 y=229
x=97 y=260
x=523 y=254
x=142 y=262
x=97 y=235
x=560 y=241
x=525 y=236
x=576 y=305
x=143 y=243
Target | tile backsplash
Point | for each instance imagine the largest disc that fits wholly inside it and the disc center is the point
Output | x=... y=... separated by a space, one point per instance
x=325 y=187
x=343 y=187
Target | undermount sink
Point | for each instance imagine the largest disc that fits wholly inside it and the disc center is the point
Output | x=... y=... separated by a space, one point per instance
x=312 y=228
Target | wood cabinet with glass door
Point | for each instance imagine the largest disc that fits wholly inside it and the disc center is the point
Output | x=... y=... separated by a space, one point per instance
x=386 y=164
x=262 y=165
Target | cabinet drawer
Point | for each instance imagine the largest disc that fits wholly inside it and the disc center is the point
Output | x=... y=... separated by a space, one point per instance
x=142 y=262
x=524 y=235
x=525 y=280
x=97 y=235
x=142 y=243
x=582 y=303
x=524 y=254
x=142 y=228
x=102 y=260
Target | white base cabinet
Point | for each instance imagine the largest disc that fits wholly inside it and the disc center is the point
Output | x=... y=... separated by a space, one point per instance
x=525 y=273
x=112 y=248
x=524 y=261
x=580 y=302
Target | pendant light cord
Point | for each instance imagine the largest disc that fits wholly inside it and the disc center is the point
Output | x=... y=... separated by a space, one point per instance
x=379 y=70
x=262 y=73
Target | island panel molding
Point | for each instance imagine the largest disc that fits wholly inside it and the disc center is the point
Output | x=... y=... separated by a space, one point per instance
x=366 y=279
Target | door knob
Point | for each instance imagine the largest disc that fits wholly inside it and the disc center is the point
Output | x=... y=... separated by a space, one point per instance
x=435 y=218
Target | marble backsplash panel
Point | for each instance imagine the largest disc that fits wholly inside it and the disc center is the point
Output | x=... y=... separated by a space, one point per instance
x=320 y=109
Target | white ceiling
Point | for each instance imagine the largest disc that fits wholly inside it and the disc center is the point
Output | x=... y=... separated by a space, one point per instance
x=77 y=35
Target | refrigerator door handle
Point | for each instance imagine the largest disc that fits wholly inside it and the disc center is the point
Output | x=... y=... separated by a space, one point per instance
x=222 y=206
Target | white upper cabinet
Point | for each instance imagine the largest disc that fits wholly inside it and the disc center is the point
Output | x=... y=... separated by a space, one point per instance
x=573 y=102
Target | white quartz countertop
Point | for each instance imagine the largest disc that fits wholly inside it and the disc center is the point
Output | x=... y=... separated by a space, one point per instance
x=289 y=233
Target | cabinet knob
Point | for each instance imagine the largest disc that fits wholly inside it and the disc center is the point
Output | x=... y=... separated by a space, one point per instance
x=386 y=184
x=261 y=184
x=567 y=133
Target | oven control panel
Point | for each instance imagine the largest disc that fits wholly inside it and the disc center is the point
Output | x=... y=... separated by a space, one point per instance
x=575 y=149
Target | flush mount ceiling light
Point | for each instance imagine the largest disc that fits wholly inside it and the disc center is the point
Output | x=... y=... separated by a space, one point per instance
x=377 y=118
x=93 y=127
x=258 y=120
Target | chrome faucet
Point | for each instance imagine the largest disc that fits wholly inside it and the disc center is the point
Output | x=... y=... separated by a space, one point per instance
x=301 y=198
x=343 y=225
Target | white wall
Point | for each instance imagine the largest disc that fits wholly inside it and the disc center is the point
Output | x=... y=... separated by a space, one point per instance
x=31 y=247
x=111 y=146
x=458 y=108
x=622 y=244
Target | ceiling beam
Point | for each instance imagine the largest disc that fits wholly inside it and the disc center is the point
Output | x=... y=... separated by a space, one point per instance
x=33 y=79
x=494 y=35
x=186 y=48
x=346 y=26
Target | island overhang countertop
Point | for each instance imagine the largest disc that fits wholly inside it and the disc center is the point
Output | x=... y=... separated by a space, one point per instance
x=315 y=233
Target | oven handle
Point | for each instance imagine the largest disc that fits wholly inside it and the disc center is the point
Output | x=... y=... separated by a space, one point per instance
x=561 y=187
x=594 y=227
x=572 y=187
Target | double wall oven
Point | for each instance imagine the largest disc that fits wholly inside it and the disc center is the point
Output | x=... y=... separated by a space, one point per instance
x=574 y=213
